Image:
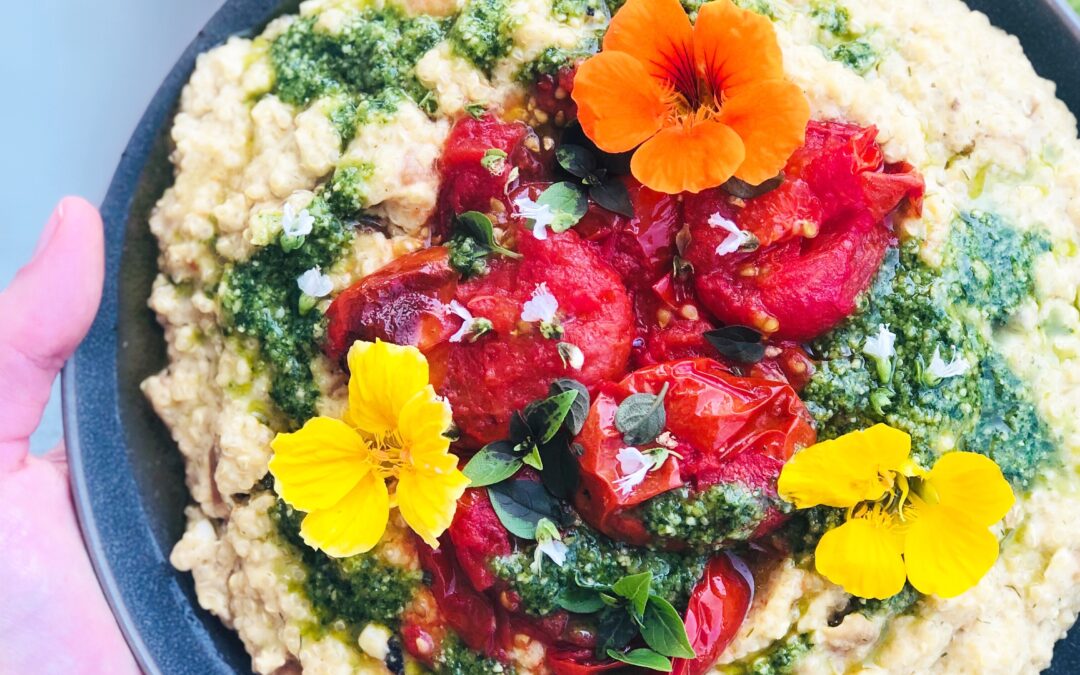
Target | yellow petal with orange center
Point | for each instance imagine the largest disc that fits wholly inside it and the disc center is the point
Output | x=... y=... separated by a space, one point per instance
x=319 y=464
x=734 y=47
x=353 y=525
x=946 y=552
x=859 y=466
x=383 y=378
x=423 y=423
x=427 y=500
x=864 y=556
x=619 y=105
x=972 y=484
x=770 y=117
x=656 y=33
x=689 y=158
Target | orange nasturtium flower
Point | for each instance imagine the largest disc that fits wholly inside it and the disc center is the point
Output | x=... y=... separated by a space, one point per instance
x=390 y=451
x=704 y=102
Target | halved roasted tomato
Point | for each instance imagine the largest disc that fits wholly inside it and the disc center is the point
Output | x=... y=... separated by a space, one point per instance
x=720 y=427
x=717 y=609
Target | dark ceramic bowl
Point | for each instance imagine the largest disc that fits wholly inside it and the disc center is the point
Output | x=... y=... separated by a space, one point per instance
x=126 y=473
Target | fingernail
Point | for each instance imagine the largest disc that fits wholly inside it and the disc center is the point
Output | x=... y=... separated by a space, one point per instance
x=50 y=228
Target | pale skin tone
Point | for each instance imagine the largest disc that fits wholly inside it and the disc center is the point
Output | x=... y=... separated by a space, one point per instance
x=53 y=616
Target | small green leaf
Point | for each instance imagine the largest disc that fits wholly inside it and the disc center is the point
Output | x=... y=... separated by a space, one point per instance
x=534 y=460
x=643 y=658
x=476 y=110
x=521 y=504
x=576 y=160
x=493 y=464
x=494 y=160
x=546 y=417
x=579 y=410
x=743 y=190
x=641 y=417
x=613 y=196
x=614 y=630
x=478 y=226
x=561 y=473
x=662 y=629
x=635 y=588
x=578 y=600
x=738 y=343
x=567 y=202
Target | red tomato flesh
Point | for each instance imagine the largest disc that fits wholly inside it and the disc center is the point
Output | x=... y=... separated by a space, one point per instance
x=718 y=607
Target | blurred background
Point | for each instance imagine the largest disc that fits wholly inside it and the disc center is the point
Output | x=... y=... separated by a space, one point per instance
x=95 y=66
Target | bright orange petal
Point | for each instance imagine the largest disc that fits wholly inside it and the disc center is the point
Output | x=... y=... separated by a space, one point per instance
x=619 y=105
x=655 y=32
x=771 y=119
x=689 y=159
x=734 y=47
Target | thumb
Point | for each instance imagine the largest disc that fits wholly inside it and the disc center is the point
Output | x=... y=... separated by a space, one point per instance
x=46 y=312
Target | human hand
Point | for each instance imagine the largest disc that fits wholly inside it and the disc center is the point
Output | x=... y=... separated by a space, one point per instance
x=53 y=615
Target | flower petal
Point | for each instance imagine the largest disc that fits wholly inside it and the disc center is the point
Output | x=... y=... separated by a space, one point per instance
x=353 y=525
x=422 y=425
x=947 y=552
x=383 y=378
x=427 y=500
x=864 y=556
x=318 y=465
x=734 y=47
x=619 y=105
x=771 y=117
x=689 y=158
x=856 y=467
x=657 y=34
x=972 y=484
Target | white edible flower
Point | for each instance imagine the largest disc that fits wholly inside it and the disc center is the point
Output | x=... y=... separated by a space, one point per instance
x=634 y=465
x=295 y=224
x=541 y=216
x=572 y=355
x=939 y=370
x=315 y=284
x=548 y=543
x=541 y=307
x=881 y=346
x=736 y=238
x=467 y=320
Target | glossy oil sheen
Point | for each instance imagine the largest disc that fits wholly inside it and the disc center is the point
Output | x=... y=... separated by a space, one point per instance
x=126 y=473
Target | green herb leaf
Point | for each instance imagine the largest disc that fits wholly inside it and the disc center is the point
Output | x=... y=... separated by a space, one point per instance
x=521 y=504
x=576 y=160
x=494 y=160
x=615 y=629
x=476 y=110
x=643 y=658
x=579 y=410
x=743 y=190
x=478 y=226
x=635 y=588
x=561 y=473
x=493 y=464
x=641 y=417
x=534 y=460
x=662 y=629
x=546 y=417
x=738 y=343
x=574 y=598
x=567 y=202
x=613 y=196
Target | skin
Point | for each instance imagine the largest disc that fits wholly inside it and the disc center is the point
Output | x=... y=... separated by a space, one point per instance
x=53 y=616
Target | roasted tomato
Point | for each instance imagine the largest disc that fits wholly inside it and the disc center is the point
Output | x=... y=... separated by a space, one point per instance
x=717 y=608
x=726 y=428
x=823 y=236
x=478 y=537
x=404 y=303
x=468 y=185
x=488 y=379
x=469 y=613
x=551 y=96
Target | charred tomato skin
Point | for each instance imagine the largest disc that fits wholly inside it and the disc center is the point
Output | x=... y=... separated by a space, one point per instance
x=727 y=428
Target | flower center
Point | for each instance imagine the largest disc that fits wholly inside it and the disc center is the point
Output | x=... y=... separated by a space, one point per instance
x=388 y=453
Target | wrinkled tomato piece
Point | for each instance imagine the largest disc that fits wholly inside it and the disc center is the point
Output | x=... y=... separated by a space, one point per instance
x=578 y=662
x=478 y=537
x=718 y=606
x=469 y=613
x=823 y=236
x=468 y=185
x=489 y=379
x=552 y=96
x=403 y=303
x=727 y=429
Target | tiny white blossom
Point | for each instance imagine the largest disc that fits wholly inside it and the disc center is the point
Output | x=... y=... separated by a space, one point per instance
x=541 y=216
x=541 y=306
x=634 y=465
x=295 y=224
x=667 y=440
x=736 y=238
x=315 y=284
x=940 y=370
x=881 y=346
x=555 y=550
x=572 y=355
x=467 y=320
x=548 y=543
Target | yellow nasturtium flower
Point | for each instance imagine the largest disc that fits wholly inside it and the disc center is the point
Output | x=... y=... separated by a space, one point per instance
x=903 y=523
x=390 y=451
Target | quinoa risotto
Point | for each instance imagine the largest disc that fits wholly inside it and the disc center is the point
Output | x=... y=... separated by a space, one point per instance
x=311 y=157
